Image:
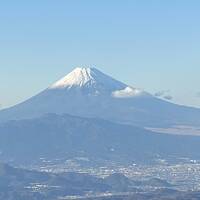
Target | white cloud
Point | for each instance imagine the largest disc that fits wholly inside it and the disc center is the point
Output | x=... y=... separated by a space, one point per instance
x=127 y=92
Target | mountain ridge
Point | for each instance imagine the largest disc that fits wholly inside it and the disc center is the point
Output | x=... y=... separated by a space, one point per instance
x=63 y=136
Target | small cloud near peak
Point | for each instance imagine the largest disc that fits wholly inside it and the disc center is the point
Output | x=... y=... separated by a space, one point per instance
x=163 y=94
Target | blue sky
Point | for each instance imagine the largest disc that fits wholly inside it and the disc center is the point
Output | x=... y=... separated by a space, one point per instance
x=151 y=44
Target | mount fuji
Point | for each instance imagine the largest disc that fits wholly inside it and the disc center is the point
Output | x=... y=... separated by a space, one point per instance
x=87 y=92
x=92 y=115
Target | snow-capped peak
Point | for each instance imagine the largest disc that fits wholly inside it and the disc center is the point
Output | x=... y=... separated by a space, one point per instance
x=78 y=77
x=94 y=82
x=84 y=77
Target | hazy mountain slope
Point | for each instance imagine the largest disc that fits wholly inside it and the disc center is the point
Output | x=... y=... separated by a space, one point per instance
x=54 y=136
x=87 y=92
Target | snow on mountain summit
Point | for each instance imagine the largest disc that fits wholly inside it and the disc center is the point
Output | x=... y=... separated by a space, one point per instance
x=78 y=77
x=81 y=77
x=95 y=82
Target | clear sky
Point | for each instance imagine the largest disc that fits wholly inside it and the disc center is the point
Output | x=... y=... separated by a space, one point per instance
x=151 y=44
